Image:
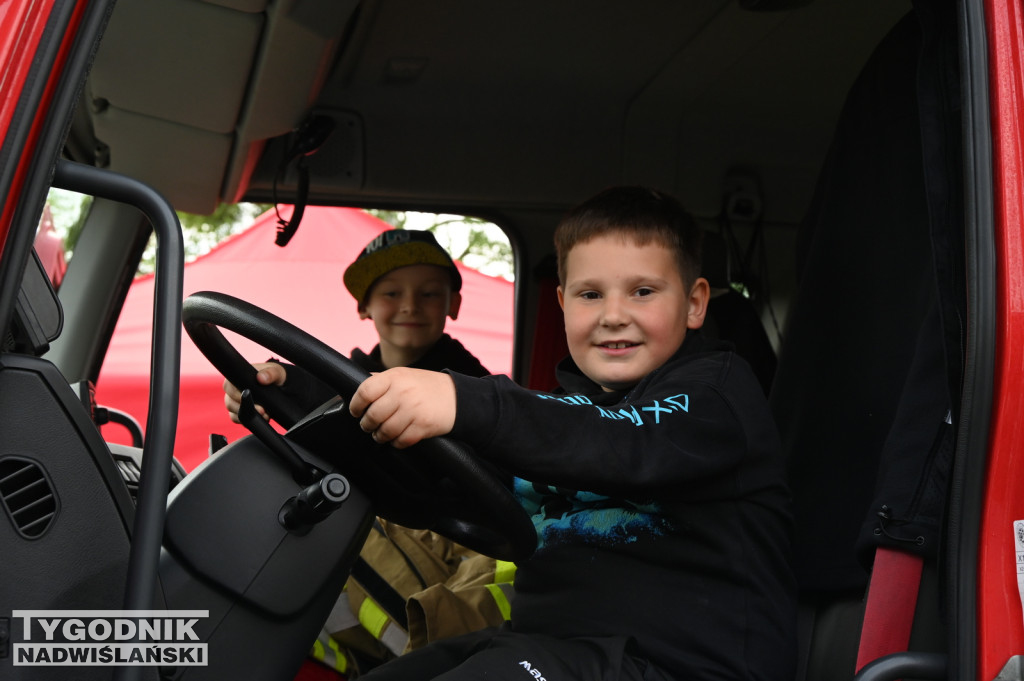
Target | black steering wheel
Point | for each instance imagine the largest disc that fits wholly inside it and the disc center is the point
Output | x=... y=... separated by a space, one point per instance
x=439 y=484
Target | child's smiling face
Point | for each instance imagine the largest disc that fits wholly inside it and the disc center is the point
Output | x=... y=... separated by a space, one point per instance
x=627 y=308
x=409 y=307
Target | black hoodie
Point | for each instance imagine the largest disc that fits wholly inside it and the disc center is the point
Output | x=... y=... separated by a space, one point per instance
x=681 y=541
x=447 y=353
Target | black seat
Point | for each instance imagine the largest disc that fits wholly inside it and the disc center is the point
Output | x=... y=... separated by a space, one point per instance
x=732 y=316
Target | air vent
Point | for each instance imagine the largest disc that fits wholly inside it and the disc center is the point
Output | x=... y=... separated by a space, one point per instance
x=27 y=496
x=130 y=473
x=129 y=464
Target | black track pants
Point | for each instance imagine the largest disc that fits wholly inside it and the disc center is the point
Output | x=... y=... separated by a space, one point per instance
x=502 y=655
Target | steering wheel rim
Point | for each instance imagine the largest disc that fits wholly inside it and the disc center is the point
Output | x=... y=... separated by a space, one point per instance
x=498 y=525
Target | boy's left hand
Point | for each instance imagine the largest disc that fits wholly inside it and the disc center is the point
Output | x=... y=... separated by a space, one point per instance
x=403 y=406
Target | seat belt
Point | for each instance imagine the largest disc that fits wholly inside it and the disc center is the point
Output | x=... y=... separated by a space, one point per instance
x=890 y=606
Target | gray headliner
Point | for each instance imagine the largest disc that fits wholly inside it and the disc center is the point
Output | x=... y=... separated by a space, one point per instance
x=493 y=106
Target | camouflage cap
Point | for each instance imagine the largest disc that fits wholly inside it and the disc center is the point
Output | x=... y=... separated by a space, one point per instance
x=391 y=250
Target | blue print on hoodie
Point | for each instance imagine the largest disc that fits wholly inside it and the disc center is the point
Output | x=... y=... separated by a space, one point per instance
x=568 y=516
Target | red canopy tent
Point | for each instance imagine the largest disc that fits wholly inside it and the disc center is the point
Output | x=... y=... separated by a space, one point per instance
x=300 y=283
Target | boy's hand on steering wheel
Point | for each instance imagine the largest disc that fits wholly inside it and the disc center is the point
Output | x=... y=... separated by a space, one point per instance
x=269 y=373
x=403 y=406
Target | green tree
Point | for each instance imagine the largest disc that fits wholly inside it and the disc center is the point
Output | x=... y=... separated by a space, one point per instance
x=68 y=210
x=395 y=218
x=477 y=243
x=202 y=232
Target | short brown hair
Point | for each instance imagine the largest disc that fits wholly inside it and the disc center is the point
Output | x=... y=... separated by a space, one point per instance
x=640 y=214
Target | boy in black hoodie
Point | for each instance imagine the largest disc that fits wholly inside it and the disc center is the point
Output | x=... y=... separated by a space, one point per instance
x=655 y=483
x=408 y=286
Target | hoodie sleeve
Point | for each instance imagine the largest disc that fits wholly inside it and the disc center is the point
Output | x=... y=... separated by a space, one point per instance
x=676 y=427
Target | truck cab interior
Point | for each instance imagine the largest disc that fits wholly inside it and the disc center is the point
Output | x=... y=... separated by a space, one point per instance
x=838 y=156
